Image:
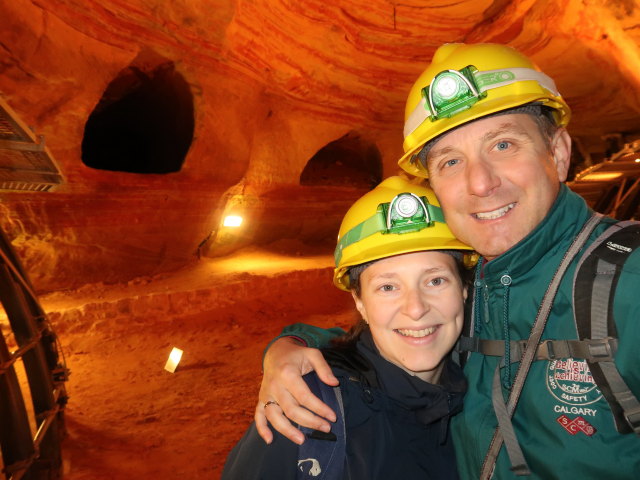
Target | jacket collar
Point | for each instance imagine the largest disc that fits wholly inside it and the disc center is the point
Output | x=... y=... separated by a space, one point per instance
x=565 y=219
x=428 y=401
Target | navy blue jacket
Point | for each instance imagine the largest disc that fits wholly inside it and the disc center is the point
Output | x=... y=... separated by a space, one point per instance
x=396 y=424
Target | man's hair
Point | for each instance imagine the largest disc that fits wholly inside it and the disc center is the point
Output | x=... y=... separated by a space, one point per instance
x=546 y=124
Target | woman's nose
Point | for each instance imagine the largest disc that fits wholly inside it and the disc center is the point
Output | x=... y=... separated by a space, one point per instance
x=415 y=305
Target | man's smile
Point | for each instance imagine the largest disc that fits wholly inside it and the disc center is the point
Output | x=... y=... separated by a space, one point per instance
x=492 y=215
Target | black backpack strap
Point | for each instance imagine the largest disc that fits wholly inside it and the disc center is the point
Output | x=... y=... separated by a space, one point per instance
x=463 y=349
x=322 y=455
x=595 y=283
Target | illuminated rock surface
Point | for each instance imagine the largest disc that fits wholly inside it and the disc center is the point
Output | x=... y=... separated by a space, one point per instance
x=287 y=111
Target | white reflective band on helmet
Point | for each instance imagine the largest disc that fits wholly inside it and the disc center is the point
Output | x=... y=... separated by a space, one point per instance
x=486 y=80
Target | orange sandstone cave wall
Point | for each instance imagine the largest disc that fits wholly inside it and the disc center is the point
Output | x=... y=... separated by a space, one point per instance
x=247 y=151
x=163 y=116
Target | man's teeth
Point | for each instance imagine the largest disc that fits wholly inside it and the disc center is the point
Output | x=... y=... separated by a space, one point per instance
x=495 y=213
x=417 y=333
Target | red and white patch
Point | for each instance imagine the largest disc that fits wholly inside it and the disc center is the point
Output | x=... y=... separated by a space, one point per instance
x=577 y=425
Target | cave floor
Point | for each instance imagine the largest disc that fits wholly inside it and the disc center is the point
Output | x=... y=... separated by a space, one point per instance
x=129 y=418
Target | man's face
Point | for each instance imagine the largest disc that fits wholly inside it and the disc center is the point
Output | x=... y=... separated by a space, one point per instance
x=496 y=179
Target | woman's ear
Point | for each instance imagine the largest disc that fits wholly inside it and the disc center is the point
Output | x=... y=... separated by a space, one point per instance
x=360 y=306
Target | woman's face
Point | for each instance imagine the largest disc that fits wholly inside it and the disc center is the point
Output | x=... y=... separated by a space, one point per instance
x=414 y=305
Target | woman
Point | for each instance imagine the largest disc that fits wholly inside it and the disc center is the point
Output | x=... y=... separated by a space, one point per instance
x=398 y=386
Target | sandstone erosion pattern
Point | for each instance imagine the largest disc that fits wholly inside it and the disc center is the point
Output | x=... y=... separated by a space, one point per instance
x=272 y=83
x=164 y=116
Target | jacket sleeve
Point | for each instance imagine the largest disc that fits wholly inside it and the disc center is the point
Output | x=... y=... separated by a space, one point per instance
x=252 y=459
x=310 y=335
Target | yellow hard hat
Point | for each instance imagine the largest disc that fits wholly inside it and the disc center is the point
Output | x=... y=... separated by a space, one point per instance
x=395 y=217
x=467 y=82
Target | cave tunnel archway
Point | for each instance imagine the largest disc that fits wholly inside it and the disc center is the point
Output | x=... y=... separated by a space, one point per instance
x=348 y=161
x=143 y=123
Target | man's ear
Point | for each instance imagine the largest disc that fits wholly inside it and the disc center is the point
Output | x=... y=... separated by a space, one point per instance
x=360 y=306
x=561 y=151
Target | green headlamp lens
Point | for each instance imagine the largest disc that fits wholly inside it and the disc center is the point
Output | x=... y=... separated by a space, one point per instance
x=451 y=92
x=406 y=213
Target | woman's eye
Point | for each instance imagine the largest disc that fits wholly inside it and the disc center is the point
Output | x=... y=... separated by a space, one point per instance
x=503 y=145
x=436 y=282
x=386 y=288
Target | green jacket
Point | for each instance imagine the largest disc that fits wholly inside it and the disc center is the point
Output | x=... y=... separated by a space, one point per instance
x=562 y=422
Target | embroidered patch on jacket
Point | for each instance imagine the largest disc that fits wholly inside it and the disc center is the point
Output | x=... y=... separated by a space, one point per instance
x=571 y=383
x=577 y=425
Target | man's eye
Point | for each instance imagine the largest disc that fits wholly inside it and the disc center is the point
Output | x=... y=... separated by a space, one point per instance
x=503 y=145
x=451 y=162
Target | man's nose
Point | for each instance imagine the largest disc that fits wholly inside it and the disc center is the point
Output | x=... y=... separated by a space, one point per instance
x=415 y=304
x=482 y=179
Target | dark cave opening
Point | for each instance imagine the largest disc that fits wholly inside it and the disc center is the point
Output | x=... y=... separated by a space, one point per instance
x=348 y=161
x=143 y=123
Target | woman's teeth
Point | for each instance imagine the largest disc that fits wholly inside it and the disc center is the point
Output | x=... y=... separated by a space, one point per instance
x=417 y=333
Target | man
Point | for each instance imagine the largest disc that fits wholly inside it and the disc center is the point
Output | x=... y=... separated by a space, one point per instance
x=487 y=128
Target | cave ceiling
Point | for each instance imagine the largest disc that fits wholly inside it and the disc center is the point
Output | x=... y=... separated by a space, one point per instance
x=351 y=61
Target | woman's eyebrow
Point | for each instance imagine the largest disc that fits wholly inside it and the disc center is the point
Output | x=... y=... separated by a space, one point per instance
x=395 y=274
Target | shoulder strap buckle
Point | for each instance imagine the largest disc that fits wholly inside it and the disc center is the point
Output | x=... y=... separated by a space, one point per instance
x=602 y=349
x=633 y=418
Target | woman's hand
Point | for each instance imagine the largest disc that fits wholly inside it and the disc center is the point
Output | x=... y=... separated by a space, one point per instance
x=285 y=362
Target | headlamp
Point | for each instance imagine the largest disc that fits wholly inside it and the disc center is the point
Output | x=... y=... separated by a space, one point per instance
x=406 y=213
x=452 y=92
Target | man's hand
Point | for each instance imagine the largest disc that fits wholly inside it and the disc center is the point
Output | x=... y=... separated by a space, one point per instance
x=284 y=364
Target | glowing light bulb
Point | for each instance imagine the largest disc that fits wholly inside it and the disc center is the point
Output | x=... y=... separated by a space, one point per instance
x=232 y=221
x=174 y=359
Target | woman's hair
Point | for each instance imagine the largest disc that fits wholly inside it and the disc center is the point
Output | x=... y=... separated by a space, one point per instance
x=351 y=337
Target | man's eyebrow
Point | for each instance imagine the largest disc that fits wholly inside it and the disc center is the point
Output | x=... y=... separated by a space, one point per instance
x=439 y=152
x=507 y=127
x=504 y=128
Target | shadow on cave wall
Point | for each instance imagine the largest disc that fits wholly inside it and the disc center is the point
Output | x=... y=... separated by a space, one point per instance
x=350 y=161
